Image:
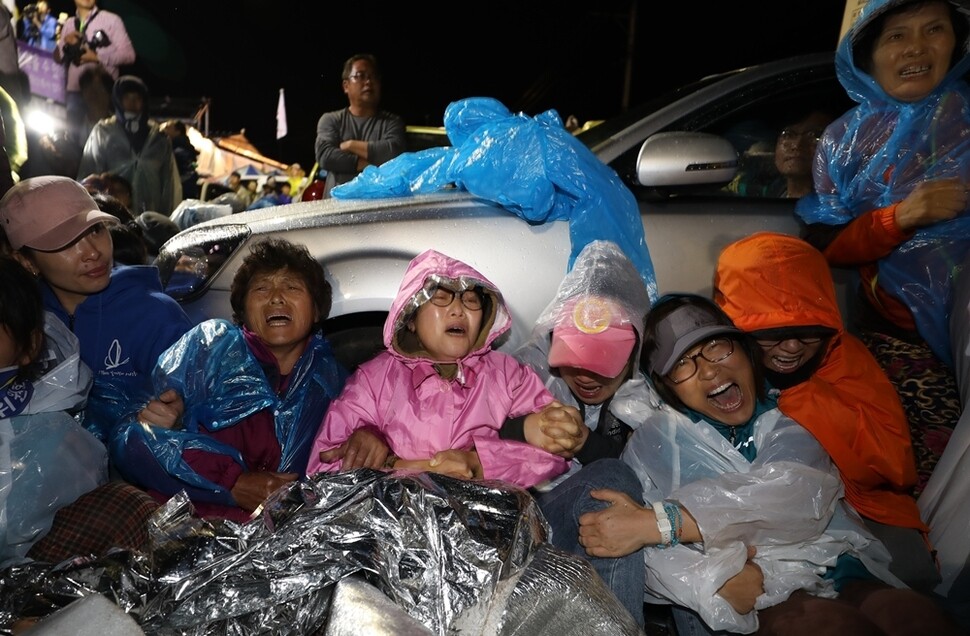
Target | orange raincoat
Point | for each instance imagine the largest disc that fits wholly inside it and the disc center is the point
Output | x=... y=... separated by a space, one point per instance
x=769 y=281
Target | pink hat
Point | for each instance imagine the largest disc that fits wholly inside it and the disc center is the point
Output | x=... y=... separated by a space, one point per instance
x=595 y=334
x=48 y=213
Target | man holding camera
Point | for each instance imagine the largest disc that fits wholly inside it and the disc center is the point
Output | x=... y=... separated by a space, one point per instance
x=94 y=36
x=39 y=26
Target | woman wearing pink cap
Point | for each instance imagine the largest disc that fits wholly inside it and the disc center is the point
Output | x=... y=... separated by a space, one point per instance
x=585 y=346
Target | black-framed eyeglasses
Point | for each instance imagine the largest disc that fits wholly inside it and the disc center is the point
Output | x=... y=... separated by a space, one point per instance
x=471 y=299
x=363 y=77
x=716 y=350
x=768 y=344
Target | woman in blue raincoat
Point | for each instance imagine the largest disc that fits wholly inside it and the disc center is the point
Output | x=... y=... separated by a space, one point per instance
x=890 y=198
x=891 y=178
x=238 y=405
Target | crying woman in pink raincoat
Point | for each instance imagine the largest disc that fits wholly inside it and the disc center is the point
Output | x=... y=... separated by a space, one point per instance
x=439 y=393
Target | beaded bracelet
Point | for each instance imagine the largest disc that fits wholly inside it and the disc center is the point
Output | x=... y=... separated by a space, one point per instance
x=676 y=520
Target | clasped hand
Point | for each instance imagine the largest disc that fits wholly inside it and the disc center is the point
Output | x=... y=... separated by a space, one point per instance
x=557 y=429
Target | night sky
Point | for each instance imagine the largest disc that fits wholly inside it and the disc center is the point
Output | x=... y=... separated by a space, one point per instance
x=532 y=56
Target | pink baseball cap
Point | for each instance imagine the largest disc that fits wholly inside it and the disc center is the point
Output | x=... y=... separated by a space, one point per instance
x=595 y=334
x=48 y=213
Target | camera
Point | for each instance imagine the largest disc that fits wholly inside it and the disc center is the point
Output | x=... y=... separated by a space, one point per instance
x=73 y=52
x=31 y=31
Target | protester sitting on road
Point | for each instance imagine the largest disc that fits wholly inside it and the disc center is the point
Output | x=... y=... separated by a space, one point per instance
x=237 y=405
x=149 y=229
x=585 y=345
x=240 y=189
x=120 y=315
x=779 y=289
x=110 y=184
x=272 y=196
x=745 y=528
x=360 y=135
x=156 y=229
x=55 y=498
x=439 y=393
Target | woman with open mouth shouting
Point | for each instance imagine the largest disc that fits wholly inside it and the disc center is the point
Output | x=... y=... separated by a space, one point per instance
x=733 y=513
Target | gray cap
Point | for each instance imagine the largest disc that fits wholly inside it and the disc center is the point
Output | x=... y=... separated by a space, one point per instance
x=683 y=328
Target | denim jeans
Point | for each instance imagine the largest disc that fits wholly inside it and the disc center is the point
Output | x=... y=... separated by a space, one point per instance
x=562 y=507
x=688 y=623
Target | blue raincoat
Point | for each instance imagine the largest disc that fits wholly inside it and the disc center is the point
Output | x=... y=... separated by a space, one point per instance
x=875 y=155
x=222 y=383
x=532 y=166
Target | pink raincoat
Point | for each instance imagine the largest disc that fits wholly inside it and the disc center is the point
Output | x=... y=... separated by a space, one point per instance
x=419 y=410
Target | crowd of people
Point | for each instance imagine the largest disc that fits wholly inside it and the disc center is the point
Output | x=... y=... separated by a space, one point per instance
x=110 y=128
x=747 y=459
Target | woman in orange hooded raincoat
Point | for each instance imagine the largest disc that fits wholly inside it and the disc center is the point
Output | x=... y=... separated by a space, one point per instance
x=779 y=289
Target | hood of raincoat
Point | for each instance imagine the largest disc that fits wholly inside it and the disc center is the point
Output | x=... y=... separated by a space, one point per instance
x=604 y=274
x=135 y=126
x=770 y=281
x=862 y=87
x=424 y=274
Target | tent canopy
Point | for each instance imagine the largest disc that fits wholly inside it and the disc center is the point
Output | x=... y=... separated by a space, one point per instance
x=220 y=156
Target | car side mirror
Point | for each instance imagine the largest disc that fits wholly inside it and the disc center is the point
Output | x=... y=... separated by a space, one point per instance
x=686 y=158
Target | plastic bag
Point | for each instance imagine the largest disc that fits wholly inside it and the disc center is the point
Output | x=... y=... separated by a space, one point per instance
x=533 y=167
x=192 y=212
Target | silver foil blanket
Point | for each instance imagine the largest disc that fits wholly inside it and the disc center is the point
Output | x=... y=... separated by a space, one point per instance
x=438 y=547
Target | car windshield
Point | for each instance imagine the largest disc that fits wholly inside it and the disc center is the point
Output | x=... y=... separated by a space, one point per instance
x=597 y=134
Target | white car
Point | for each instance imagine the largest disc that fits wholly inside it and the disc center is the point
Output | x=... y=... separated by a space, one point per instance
x=675 y=154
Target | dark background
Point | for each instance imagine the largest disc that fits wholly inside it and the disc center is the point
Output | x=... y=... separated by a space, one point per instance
x=530 y=55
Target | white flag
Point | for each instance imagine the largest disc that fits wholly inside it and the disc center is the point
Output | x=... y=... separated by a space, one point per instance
x=281 y=117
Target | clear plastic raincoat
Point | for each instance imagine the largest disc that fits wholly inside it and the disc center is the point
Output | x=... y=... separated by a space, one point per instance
x=787 y=503
x=47 y=459
x=601 y=271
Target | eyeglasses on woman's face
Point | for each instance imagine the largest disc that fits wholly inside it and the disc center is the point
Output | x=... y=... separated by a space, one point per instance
x=471 y=299
x=717 y=350
x=768 y=344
